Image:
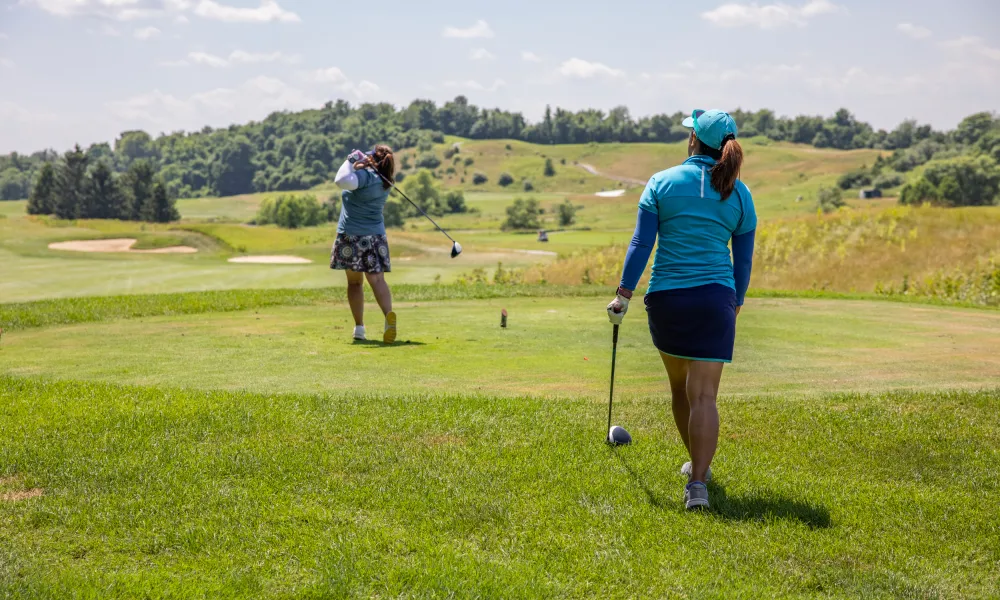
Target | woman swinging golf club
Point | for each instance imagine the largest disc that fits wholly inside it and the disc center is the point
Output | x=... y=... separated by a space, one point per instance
x=695 y=292
x=362 y=249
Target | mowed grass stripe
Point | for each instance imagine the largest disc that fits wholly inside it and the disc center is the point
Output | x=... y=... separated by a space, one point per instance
x=67 y=311
x=556 y=348
x=181 y=493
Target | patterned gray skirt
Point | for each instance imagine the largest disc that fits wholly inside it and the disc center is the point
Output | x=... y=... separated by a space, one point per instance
x=361 y=253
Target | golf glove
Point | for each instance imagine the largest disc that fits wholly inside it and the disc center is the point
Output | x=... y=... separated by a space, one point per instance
x=617 y=309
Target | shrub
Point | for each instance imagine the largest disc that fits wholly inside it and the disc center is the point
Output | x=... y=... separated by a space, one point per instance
x=505 y=179
x=550 y=171
x=884 y=182
x=507 y=147
x=428 y=160
x=567 y=213
x=450 y=152
x=562 y=161
x=480 y=178
x=528 y=186
x=455 y=201
x=523 y=214
x=918 y=192
x=405 y=163
x=469 y=161
x=830 y=199
x=854 y=179
x=291 y=212
x=450 y=171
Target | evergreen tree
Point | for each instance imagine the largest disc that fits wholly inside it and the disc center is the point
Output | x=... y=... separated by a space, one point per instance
x=43 y=197
x=71 y=182
x=162 y=205
x=139 y=191
x=104 y=198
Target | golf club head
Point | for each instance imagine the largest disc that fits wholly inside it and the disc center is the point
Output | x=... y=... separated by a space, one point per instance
x=617 y=436
x=456 y=249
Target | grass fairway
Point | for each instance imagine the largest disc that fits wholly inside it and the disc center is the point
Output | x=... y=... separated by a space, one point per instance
x=556 y=347
x=261 y=454
x=168 y=493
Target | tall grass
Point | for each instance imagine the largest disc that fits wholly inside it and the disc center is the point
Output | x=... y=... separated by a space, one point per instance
x=942 y=254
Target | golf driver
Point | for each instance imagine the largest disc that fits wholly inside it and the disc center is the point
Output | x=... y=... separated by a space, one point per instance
x=456 y=248
x=617 y=436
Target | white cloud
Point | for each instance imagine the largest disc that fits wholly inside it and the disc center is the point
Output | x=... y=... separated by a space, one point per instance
x=4 y=36
x=252 y=100
x=241 y=57
x=209 y=60
x=475 y=86
x=578 y=68
x=530 y=57
x=268 y=11
x=129 y=10
x=481 y=54
x=329 y=75
x=769 y=16
x=479 y=29
x=914 y=31
x=6 y=63
x=236 y=57
x=973 y=45
x=333 y=76
x=146 y=33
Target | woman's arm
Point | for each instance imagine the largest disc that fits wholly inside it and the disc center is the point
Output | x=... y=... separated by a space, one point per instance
x=743 y=263
x=647 y=225
x=346 y=178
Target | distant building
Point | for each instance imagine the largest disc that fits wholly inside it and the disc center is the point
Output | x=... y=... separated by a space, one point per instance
x=869 y=194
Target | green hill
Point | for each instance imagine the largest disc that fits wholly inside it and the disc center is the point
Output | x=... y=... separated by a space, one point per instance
x=777 y=173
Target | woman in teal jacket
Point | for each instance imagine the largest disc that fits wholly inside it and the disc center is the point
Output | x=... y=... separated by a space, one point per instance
x=694 y=210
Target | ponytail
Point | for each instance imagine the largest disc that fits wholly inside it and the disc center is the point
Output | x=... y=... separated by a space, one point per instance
x=727 y=168
x=382 y=161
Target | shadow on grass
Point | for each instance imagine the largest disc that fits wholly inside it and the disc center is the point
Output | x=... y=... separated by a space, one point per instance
x=380 y=344
x=752 y=507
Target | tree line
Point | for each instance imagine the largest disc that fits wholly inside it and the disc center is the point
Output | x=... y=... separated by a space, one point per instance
x=299 y=150
x=76 y=187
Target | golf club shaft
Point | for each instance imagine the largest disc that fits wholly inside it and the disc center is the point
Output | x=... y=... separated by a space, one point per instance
x=400 y=192
x=614 y=355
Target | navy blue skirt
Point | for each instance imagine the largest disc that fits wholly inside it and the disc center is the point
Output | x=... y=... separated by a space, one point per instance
x=696 y=323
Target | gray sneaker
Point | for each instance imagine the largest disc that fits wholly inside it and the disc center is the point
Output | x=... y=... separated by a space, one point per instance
x=687 y=470
x=695 y=496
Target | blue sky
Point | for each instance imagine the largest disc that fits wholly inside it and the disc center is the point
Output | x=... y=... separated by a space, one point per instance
x=84 y=70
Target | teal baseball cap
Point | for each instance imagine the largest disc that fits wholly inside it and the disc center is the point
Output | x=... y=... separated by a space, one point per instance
x=711 y=126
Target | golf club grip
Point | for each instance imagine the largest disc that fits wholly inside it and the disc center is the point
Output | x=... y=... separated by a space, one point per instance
x=614 y=336
x=400 y=192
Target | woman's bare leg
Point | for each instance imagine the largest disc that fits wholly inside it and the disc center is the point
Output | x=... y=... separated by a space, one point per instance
x=677 y=372
x=703 y=425
x=381 y=289
x=356 y=296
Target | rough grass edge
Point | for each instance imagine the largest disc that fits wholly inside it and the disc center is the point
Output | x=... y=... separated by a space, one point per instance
x=89 y=309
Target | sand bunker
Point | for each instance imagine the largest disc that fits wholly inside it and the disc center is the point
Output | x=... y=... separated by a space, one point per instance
x=271 y=260
x=611 y=194
x=119 y=245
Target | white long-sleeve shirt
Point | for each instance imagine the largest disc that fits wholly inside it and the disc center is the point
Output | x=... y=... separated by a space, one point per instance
x=346 y=178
